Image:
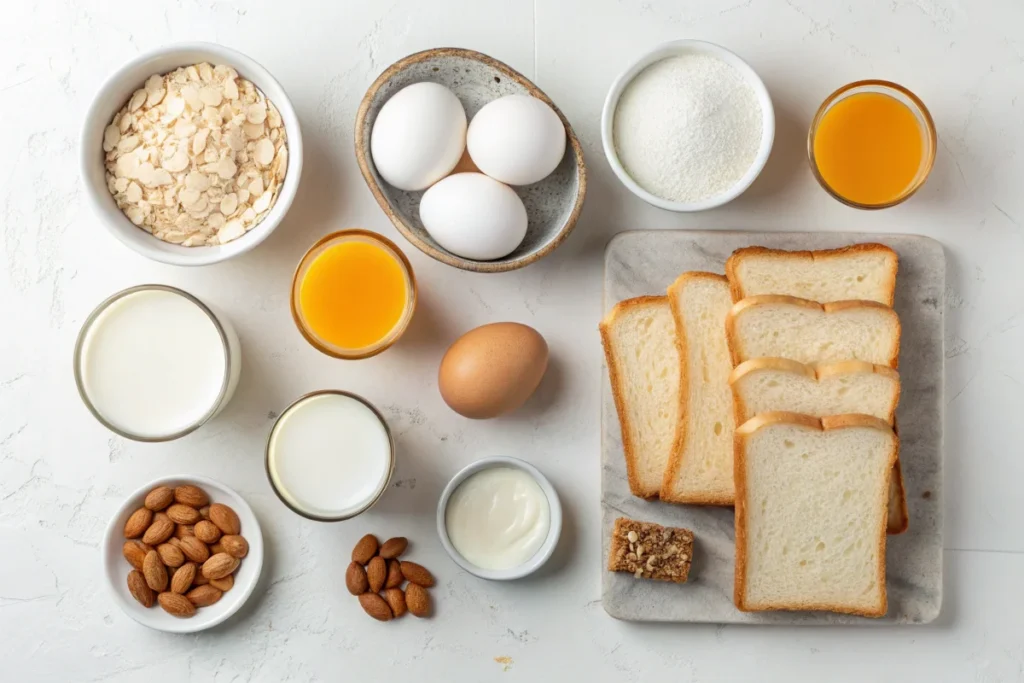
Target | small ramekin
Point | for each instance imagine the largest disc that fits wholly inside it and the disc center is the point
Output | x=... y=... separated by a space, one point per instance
x=232 y=362
x=554 y=529
x=113 y=94
x=674 y=49
x=899 y=93
x=322 y=345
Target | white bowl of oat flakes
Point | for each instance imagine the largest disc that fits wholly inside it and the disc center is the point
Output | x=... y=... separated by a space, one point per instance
x=191 y=154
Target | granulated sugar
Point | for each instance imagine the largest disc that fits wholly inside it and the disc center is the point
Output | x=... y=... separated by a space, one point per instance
x=687 y=128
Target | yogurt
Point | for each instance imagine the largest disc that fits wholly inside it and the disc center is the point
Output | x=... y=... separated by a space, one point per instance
x=498 y=518
x=153 y=364
x=329 y=456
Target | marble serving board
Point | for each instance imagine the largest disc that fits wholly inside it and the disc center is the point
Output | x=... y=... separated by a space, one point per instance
x=646 y=262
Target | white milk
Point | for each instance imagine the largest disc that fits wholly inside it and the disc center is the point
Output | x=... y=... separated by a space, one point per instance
x=153 y=364
x=329 y=456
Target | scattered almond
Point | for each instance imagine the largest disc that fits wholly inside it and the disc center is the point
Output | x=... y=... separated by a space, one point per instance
x=225 y=519
x=176 y=605
x=138 y=522
x=135 y=552
x=395 y=577
x=235 y=545
x=204 y=596
x=223 y=584
x=365 y=549
x=183 y=514
x=194 y=549
x=190 y=495
x=206 y=531
x=183 y=577
x=395 y=597
x=159 y=531
x=355 y=579
x=158 y=499
x=417 y=599
x=377 y=573
x=170 y=555
x=140 y=590
x=416 y=574
x=375 y=606
x=154 y=571
x=393 y=547
x=219 y=566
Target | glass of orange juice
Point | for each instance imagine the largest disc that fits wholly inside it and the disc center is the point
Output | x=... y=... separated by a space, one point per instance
x=353 y=294
x=871 y=144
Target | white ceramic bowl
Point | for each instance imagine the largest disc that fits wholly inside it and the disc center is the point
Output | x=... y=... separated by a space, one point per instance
x=543 y=553
x=112 y=96
x=671 y=49
x=116 y=568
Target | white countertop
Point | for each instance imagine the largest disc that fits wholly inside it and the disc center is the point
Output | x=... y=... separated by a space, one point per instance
x=62 y=474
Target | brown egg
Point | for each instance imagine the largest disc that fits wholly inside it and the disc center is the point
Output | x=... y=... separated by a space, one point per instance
x=492 y=369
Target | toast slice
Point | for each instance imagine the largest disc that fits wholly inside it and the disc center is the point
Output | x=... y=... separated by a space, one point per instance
x=700 y=468
x=780 y=326
x=859 y=271
x=811 y=499
x=763 y=385
x=639 y=342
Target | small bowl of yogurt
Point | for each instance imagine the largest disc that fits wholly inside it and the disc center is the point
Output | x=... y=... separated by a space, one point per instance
x=499 y=518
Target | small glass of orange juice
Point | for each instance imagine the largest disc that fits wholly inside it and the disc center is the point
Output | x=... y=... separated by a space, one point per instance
x=353 y=294
x=871 y=144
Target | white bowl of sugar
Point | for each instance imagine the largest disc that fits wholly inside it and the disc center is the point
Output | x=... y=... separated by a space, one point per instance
x=688 y=126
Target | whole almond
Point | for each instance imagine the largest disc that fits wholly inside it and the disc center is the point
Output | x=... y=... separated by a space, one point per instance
x=204 y=512
x=375 y=606
x=139 y=589
x=154 y=571
x=159 y=531
x=135 y=552
x=395 y=577
x=159 y=498
x=183 y=530
x=190 y=495
x=219 y=566
x=138 y=522
x=194 y=549
x=170 y=555
x=393 y=547
x=417 y=599
x=206 y=531
x=183 y=514
x=355 y=579
x=223 y=584
x=365 y=549
x=377 y=573
x=395 y=597
x=183 y=577
x=235 y=545
x=204 y=596
x=176 y=605
x=416 y=574
x=225 y=519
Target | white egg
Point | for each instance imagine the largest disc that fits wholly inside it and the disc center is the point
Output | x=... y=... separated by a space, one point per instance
x=516 y=139
x=419 y=136
x=474 y=216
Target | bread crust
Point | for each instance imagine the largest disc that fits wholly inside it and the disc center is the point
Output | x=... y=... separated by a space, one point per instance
x=615 y=377
x=733 y=262
x=761 y=299
x=739 y=471
x=675 y=461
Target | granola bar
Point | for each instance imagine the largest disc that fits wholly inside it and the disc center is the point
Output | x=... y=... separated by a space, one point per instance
x=650 y=551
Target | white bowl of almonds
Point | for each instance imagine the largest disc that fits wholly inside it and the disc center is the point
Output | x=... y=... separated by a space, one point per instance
x=182 y=554
x=191 y=154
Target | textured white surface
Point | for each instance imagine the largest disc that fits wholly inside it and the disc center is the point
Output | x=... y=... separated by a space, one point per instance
x=62 y=475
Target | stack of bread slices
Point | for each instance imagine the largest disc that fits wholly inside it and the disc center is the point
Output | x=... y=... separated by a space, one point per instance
x=773 y=389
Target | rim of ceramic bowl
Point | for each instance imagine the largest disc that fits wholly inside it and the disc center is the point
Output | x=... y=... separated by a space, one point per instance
x=114 y=533
x=664 y=51
x=391 y=456
x=102 y=203
x=922 y=115
x=393 y=335
x=365 y=161
x=547 y=548
x=83 y=334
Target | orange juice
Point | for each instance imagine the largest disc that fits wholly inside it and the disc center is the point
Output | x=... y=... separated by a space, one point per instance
x=352 y=291
x=869 y=148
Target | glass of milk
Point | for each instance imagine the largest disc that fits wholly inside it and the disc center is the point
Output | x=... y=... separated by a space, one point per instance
x=154 y=363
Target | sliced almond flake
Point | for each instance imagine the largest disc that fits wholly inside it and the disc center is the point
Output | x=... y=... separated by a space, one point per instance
x=193 y=73
x=211 y=96
x=275 y=134
x=222 y=72
x=205 y=72
x=179 y=77
x=243 y=196
x=215 y=194
x=197 y=181
x=161 y=177
x=153 y=98
x=189 y=197
x=138 y=99
x=184 y=129
x=264 y=153
x=263 y=202
x=199 y=206
x=111 y=136
x=212 y=116
x=133 y=193
x=256 y=187
x=281 y=163
x=231 y=230
x=199 y=141
x=253 y=131
x=273 y=116
x=190 y=94
x=215 y=220
x=125 y=124
x=179 y=162
x=235 y=139
x=229 y=204
x=134 y=214
x=226 y=168
x=248 y=216
x=120 y=184
x=211 y=156
x=112 y=186
x=230 y=89
x=174 y=237
x=256 y=113
x=175 y=107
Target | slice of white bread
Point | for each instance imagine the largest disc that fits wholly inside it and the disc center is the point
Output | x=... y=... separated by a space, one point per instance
x=858 y=271
x=811 y=498
x=700 y=470
x=643 y=365
x=763 y=385
x=780 y=326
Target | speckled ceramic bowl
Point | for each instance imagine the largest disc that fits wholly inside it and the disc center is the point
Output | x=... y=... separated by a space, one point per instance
x=553 y=205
